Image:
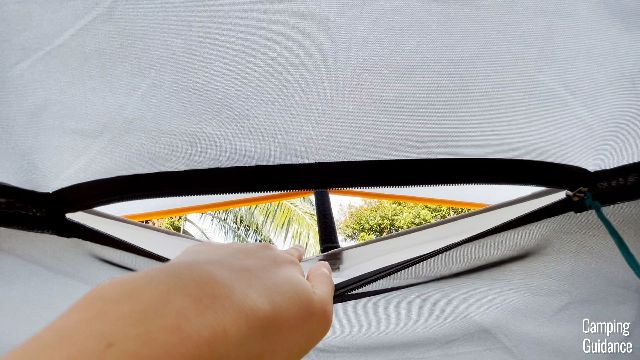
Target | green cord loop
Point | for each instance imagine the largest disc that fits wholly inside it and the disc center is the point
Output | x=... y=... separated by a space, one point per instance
x=615 y=235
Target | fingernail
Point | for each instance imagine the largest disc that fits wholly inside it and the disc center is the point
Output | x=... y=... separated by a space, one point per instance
x=325 y=265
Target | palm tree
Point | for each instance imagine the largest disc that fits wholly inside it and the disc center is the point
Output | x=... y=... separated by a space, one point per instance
x=285 y=223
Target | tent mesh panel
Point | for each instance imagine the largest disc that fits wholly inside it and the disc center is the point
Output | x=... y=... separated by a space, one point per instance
x=97 y=89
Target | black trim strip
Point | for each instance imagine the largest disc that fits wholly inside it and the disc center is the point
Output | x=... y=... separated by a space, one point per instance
x=34 y=211
x=28 y=210
x=322 y=175
x=616 y=185
x=45 y=212
x=73 y=229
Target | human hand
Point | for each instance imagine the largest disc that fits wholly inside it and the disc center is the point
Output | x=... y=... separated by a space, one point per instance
x=271 y=310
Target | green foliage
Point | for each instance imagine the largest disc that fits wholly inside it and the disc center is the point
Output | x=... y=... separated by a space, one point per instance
x=171 y=223
x=290 y=222
x=376 y=218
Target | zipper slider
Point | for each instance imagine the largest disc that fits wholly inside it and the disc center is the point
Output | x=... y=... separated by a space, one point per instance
x=578 y=198
x=579 y=194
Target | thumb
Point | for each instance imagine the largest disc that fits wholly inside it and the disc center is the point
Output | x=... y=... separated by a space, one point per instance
x=319 y=276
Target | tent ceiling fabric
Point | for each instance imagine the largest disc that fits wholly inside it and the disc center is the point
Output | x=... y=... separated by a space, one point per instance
x=48 y=274
x=96 y=89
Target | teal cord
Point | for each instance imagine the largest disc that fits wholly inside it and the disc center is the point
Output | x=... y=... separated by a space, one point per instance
x=617 y=238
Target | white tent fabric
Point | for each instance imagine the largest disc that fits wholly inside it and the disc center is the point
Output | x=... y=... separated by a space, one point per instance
x=42 y=275
x=96 y=89
x=92 y=90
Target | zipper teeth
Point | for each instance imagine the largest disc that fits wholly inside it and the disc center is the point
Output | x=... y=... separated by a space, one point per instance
x=415 y=261
x=432 y=185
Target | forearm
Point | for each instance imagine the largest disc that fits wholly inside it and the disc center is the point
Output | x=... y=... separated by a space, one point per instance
x=108 y=321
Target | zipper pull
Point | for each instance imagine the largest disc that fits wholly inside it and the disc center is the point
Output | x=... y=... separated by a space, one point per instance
x=578 y=197
x=579 y=194
x=626 y=253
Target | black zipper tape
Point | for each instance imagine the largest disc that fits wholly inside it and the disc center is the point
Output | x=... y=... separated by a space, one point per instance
x=322 y=175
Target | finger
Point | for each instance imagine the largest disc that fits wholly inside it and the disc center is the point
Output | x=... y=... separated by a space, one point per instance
x=197 y=250
x=296 y=251
x=319 y=276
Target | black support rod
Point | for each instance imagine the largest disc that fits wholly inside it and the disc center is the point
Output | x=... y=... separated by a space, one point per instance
x=326 y=225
